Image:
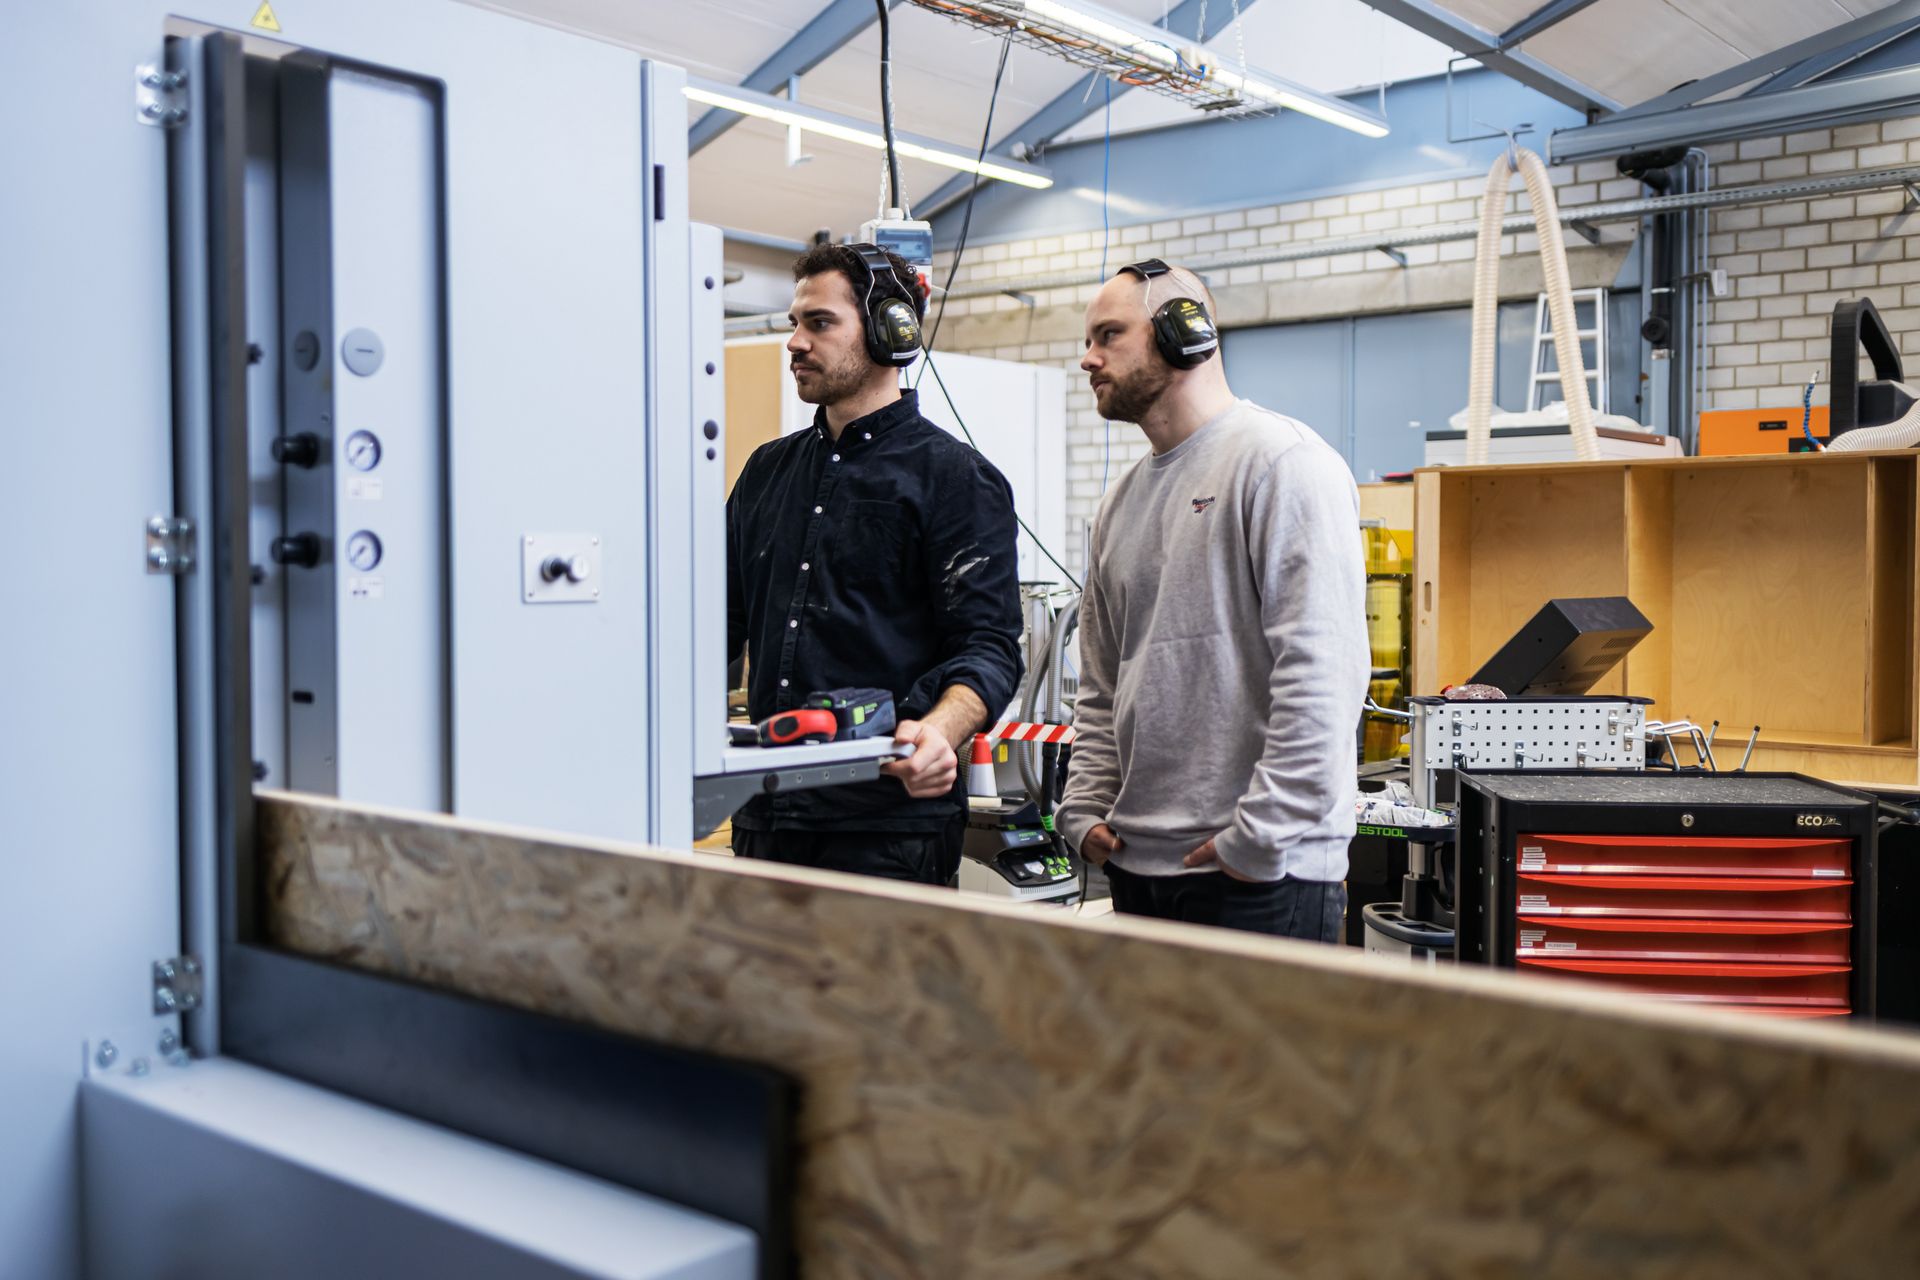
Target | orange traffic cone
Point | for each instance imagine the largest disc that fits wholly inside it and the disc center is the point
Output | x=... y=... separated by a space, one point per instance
x=980 y=779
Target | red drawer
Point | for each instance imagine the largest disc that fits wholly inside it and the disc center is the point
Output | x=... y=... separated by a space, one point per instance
x=1797 y=858
x=1725 y=941
x=1740 y=986
x=1685 y=897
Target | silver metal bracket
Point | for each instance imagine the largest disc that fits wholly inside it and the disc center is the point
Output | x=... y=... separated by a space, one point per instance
x=1399 y=258
x=169 y=545
x=176 y=985
x=716 y=798
x=159 y=96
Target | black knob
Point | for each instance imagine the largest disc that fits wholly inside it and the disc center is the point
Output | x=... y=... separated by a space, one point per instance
x=301 y=549
x=301 y=450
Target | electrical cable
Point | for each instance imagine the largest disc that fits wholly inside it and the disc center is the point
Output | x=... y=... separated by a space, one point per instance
x=886 y=101
x=941 y=383
x=966 y=218
x=1106 y=238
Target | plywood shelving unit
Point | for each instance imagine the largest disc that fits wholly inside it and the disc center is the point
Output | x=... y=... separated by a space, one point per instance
x=1782 y=591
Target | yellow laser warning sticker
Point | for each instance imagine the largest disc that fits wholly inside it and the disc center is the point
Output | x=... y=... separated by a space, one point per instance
x=263 y=19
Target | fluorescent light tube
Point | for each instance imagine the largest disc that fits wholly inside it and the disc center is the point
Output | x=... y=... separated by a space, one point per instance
x=1157 y=47
x=813 y=120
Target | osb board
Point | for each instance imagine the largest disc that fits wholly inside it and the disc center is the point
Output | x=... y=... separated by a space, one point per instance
x=1771 y=598
x=755 y=382
x=999 y=1092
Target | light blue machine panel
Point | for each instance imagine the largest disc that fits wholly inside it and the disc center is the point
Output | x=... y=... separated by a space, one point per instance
x=492 y=196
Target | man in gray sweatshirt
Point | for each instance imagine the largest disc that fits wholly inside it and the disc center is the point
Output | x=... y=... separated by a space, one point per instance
x=1223 y=637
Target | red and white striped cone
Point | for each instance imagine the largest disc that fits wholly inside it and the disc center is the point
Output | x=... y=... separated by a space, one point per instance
x=980 y=779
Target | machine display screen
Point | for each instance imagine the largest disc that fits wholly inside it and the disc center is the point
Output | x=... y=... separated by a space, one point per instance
x=915 y=244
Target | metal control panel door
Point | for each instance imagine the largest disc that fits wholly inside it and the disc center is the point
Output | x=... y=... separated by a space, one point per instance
x=365 y=544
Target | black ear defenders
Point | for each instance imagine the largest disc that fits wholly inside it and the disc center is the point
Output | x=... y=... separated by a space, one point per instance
x=1183 y=332
x=892 y=323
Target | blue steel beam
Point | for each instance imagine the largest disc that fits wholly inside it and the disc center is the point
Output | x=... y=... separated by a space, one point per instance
x=1811 y=106
x=1551 y=14
x=1823 y=64
x=1813 y=47
x=1074 y=104
x=1431 y=19
x=813 y=44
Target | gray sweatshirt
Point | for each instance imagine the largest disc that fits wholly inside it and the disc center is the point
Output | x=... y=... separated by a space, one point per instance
x=1224 y=655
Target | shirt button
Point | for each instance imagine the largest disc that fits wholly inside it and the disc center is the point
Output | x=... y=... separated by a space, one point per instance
x=783 y=684
x=804 y=566
x=818 y=510
x=792 y=623
x=866 y=435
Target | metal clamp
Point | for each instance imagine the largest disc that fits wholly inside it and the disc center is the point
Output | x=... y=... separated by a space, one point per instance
x=1386 y=713
x=159 y=96
x=176 y=985
x=169 y=545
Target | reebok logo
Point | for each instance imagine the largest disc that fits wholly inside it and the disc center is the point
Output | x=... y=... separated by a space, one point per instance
x=1201 y=504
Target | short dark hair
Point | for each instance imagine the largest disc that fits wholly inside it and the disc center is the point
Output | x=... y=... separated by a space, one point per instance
x=900 y=283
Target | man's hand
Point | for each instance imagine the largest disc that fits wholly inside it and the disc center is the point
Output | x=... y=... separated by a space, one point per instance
x=1102 y=842
x=1208 y=856
x=931 y=769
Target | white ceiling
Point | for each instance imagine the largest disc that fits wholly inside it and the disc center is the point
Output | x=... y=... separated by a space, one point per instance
x=1632 y=50
x=942 y=74
x=1628 y=50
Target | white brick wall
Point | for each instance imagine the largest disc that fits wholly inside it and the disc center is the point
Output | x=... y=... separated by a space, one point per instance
x=1789 y=264
x=1050 y=332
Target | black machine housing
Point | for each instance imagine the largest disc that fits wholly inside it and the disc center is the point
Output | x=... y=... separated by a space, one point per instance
x=1852 y=402
x=1566 y=648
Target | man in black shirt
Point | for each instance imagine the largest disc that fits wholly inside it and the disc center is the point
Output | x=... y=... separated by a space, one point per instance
x=870 y=550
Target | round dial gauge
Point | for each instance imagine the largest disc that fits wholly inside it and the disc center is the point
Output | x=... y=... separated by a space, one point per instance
x=363 y=451
x=363 y=551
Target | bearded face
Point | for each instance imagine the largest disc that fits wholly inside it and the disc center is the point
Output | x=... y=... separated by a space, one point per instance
x=1124 y=394
x=827 y=353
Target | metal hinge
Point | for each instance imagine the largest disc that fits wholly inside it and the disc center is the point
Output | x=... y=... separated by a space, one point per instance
x=159 y=96
x=169 y=544
x=176 y=985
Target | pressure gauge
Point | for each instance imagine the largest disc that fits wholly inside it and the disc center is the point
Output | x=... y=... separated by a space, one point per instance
x=363 y=451
x=363 y=551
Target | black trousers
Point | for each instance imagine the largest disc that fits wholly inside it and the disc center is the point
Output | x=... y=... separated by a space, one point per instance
x=1308 y=909
x=930 y=857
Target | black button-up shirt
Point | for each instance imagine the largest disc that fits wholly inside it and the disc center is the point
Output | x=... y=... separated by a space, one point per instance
x=883 y=560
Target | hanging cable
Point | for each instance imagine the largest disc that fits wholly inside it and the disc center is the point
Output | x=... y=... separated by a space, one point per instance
x=886 y=102
x=941 y=383
x=1106 y=238
x=966 y=218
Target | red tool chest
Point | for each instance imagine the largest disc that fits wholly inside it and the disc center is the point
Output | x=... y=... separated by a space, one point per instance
x=1745 y=891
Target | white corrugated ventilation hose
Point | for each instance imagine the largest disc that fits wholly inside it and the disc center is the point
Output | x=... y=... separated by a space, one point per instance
x=1486 y=306
x=1902 y=433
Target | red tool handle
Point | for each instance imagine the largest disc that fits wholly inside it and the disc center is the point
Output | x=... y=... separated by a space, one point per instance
x=789 y=727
